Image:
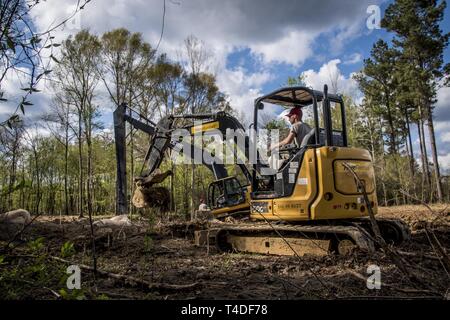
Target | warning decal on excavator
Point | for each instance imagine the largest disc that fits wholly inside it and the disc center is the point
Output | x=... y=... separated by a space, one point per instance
x=205 y=127
x=291 y=178
x=259 y=206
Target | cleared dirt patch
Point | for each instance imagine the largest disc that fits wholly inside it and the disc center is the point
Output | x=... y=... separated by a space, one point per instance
x=167 y=265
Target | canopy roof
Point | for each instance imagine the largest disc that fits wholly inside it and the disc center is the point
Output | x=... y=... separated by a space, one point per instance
x=294 y=96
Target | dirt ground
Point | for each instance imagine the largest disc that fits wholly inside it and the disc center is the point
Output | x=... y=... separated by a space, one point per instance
x=142 y=262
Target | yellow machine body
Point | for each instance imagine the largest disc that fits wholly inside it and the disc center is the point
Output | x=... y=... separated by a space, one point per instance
x=324 y=189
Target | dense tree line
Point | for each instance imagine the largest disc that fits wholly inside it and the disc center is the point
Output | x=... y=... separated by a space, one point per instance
x=399 y=82
x=72 y=170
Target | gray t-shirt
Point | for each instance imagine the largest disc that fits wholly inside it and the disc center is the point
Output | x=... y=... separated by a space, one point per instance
x=300 y=129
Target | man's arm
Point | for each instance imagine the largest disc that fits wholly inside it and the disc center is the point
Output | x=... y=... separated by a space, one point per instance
x=285 y=141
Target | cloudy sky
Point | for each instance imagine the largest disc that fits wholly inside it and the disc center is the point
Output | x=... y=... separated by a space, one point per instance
x=255 y=44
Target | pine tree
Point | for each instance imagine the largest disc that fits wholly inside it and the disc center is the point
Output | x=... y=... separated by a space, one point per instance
x=421 y=42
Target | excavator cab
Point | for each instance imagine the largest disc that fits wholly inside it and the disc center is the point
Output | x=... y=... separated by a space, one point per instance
x=226 y=193
x=316 y=192
x=312 y=183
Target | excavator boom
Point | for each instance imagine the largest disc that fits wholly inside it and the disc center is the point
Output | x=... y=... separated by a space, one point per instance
x=161 y=141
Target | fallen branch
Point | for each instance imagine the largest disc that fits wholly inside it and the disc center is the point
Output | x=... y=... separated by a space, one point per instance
x=393 y=287
x=118 y=295
x=57 y=295
x=391 y=252
x=130 y=280
x=417 y=255
x=432 y=239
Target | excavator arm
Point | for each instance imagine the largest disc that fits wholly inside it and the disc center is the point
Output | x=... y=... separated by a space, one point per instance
x=161 y=141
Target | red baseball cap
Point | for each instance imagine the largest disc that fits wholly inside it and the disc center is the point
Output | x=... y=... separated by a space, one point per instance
x=295 y=110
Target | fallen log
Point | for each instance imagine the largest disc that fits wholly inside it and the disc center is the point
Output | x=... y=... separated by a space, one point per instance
x=117 y=221
x=133 y=281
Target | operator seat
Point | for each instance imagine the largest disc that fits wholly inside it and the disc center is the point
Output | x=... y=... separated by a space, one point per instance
x=309 y=138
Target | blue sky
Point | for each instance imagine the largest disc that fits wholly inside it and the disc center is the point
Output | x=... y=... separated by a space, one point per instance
x=254 y=44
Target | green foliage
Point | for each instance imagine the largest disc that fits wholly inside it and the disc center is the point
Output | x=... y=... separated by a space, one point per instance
x=29 y=277
x=275 y=124
x=75 y=294
x=67 y=249
x=300 y=80
x=36 y=245
x=379 y=84
x=18 y=186
x=38 y=171
x=102 y=297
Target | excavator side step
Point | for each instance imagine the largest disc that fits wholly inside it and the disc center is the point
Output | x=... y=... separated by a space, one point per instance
x=265 y=244
x=278 y=246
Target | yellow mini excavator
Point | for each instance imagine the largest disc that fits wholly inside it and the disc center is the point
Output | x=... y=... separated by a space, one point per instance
x=316 y=201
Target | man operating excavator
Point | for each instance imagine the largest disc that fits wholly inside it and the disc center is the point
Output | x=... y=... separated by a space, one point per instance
x=298 y=131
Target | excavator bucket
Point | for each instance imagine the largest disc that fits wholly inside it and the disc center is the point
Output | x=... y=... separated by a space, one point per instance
x=147 y=195
x=151 y=197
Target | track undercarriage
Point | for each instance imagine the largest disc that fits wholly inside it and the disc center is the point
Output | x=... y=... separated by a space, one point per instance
x=318 y=238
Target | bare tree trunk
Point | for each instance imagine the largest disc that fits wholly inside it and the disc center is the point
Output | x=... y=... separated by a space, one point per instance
x=89 y=169
x=22 y=194
x=186 y=193
x=172 y=188
x=409 y=145
x=80 y=166
x=393 y=138
x=12 y=175
x=38 y=180
x=131 y=206
x=66 y=167
x=437 y=174
x=193 y=191
x=384 y=194
x=423 y=153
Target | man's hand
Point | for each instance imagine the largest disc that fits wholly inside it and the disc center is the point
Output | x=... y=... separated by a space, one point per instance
x=274 y=147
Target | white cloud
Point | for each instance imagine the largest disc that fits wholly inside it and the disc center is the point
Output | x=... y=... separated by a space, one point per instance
x=346 y=31
x=444 y=161
x=12 y=85
x=280 y=33
x=442 y=107
x=445 y=137
x=330 y=74
x=242 y=88
x=353 y=59
x=294 y=48
x=441 y=125
x=273 y=33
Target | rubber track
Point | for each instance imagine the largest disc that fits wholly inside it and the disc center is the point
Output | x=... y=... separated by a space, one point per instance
x=361 y=238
